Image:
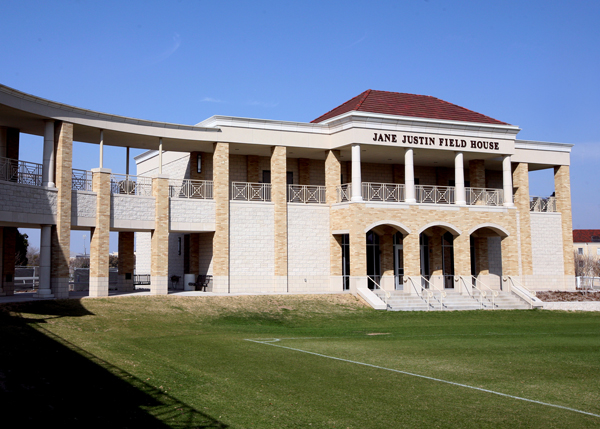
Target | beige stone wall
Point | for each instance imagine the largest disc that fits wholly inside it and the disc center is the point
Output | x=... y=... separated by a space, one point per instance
x=160 y=237
x=61 y=232
x=279 y=199
x=99 y=245
x=221 y=162
x=521 y=200
x=562 y=188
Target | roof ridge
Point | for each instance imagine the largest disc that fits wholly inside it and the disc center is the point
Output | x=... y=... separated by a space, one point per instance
x=362 y=100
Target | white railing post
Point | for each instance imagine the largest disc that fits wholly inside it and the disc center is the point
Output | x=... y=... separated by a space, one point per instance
x=409 y=175
x=459 y=179
x=507 y=181
x=356 y=174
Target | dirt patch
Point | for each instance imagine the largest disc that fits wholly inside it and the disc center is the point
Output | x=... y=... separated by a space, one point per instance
x=551 y=296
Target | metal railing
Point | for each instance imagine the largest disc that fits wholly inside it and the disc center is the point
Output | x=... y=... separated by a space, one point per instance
x=483 y=291
x=23 y=172
x=306 y=194
x=588 y=283
x=344 y=192
x=386 y=192
x=244 y=191
x=386 y=294
x=422 y=292
x=542 y=204
x=191 y=189
x=125 y=184
x=81 y=180
x=141 y=279
x=431 y=287
x=434 y=194
x=484 y=196
x=525 y=294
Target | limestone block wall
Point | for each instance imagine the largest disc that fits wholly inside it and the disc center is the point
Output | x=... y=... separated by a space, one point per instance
x=143 y=252
x=176 y=165
x=546 y=244
x=132 y=212
x=252 y=254
x=308 y=248
x=27 y=204
x=191 y=215
x=83 y=208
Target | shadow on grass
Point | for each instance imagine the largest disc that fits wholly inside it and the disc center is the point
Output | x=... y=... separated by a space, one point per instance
x=45 y=380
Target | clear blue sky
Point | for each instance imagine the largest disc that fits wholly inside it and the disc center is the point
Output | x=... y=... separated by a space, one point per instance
x=533 y=64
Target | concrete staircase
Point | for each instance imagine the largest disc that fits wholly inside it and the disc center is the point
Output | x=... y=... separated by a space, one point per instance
x=399 y=301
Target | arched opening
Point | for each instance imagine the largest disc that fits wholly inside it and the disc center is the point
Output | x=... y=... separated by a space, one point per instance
x=486 y=256
x=436 y=245
x=385 y=256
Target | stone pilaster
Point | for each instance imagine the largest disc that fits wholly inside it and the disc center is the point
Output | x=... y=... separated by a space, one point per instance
x=521 y=201
x=332 y=175
x=435 y=245
x=99 y=245
x=221 y=236
x=159 y=271
x=61 y=232
x=279 y=199
x=462 y=255
x=412 y=262
x=510 y=259
x=304 y=171
x=477 y=173
x=358 y=250
x=8 y=239
x=562 y=188
x=126 y=261
x=253 y=170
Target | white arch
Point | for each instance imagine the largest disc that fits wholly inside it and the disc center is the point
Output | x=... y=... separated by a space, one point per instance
x=501 y=231
x=448 y=226
x=401 y=227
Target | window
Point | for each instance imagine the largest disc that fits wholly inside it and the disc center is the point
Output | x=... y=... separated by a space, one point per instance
x=598 y=251
x=580 y=250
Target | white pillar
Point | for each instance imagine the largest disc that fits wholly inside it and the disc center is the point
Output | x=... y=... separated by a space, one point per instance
x=101 y=148
x=160 y=156
x=409 y=176
x=48 y=163
x=459 y=179
x=356 y=178
x=44 y=290
x=507 y=184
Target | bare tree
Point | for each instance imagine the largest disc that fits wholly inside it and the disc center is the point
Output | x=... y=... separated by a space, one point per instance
x=33 y=256
x=586 y=265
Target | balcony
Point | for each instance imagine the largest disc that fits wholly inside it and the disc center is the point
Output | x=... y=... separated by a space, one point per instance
x=191 y=189
x=542 y=204
x=306 y=194
x=125 y=184
x=22 y=172
x=244 y=191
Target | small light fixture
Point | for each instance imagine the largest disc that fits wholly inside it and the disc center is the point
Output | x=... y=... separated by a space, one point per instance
x=199 y=171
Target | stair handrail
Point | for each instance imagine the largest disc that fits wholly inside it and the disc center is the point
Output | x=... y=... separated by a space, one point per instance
x=421 y=293
x=387 y=294
x=432 y=288
x=526 y=294
x=484 y=293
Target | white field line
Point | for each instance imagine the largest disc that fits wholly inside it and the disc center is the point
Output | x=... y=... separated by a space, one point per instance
x=272 y=341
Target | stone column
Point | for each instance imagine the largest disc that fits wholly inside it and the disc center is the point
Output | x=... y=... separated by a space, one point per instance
x=459 y=179
x=521 y=182
x=126 y=261
x=333 y=177
x=9 y=241
x=303 y=171
x=477 y=173
x=507 y=183
x=562 y=188
x=48 y=161
x=386 y=246
x=409 y=176
x=462 y=260
x=99 y=244
x=279 y=199
x=159 y=272
x=253 y=171
x=358 y=250
x=221 y=236
x=412 y=262
x=356 y=174
x=61 y=232
x=510 y=260
x=44 y=288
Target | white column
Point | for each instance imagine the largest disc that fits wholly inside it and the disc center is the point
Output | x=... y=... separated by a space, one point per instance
x=101 y=148
x=160 y=156
x=48 y=163
x=507 y=184
x=44 y=290
x=459 y=179
x=356 y=178
x=409 y=176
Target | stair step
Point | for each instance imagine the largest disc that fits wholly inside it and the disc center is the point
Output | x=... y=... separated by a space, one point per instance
x=453 y=301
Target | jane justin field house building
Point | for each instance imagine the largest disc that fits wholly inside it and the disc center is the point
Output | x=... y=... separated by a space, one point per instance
x=409 y=195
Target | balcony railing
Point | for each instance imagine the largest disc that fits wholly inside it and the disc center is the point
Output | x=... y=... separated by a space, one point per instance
x=81 y=180
x=244 y=191
x=344 y=192
x=542 y=204
x=23 y=172
x=385 y=192
x=484 y=197
x=306 y=194
x=124 y=184
x=192 y=189
x=434 y=194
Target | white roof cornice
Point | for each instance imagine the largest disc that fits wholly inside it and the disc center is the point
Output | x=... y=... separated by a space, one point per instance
x=535 y=145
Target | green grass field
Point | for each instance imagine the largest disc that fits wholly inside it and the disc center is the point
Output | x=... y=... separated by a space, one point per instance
x=312 y=362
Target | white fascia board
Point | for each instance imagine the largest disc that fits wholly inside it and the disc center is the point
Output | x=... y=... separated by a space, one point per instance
x=535 y=145
x=393 y=122
x=145 y=156
x=263 y=124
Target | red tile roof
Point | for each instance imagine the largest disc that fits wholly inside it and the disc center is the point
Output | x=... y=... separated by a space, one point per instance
x=586 y=235
x=418 y=106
